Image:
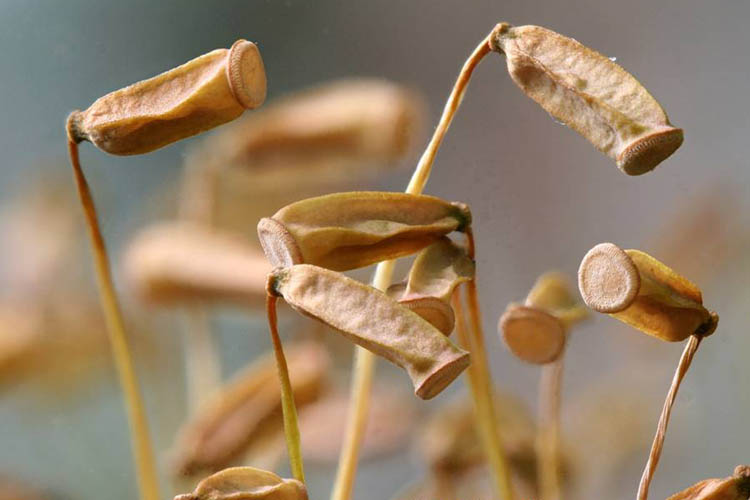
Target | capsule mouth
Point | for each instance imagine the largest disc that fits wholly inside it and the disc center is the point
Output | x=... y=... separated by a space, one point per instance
x=647 y=152
x=433 y=310
x=443 y=376
x=608 y=279
x=532 y=335
x=278 y=243
x=246 y=74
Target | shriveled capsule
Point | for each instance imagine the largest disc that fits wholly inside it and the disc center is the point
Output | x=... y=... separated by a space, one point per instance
x=246 y=483
x=203 y=93
x=531 y=334
x=345 y=231
x=247 y=408
x=434 y=275
x=449 y=442
x=327 y=133
x=374 y=321
x=639 y=290
x=591 y=94
x=180 y=262
x=535 y=332
x=735 y=487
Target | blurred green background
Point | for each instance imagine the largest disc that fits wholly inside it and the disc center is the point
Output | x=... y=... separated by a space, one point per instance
x=541 y=197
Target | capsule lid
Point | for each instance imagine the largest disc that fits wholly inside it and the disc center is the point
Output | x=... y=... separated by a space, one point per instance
x=246 y=74
x=608 y=279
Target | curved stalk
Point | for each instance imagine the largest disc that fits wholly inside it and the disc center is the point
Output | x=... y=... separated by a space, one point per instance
x=145 y=462
x=548 y=437
x=661 y=429
x=288 y=408
x=364 y=361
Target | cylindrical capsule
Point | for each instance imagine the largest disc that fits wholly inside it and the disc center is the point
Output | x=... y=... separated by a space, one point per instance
x=531 y=334
x=591 y=94
x=344 y=231
x=329 y=133
x=536 y=331
x=246 y=483
x=203 y=93
x=735 y=487
x=178 y=263
x=371 y=319
x=246 y=408
x=434 y=275
x=639 y=290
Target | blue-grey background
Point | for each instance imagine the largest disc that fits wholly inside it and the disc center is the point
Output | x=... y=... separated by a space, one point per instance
x=541 y=197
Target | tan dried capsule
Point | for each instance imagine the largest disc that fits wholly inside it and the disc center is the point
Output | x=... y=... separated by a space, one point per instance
x=244 y=410
x=246 y=483
x=203 y=93
x=449 y=442
x=591 y=94
x=553 y=293
x=390 y=423
x=345 y=231
x=318 y=135
x=374 y=321
x=434 y=275
x=735 y=487
x=639 y=290
x=536 y=331
x=531 y=334
x=435 y=311
x=178 y=262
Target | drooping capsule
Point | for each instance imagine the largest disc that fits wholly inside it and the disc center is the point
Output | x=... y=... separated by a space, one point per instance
x=639 y=290
x=328 y=133
x=345 y=231
x=591 y=94
x=246 y=483
x=199 y=95
x=371 y=319
x=436 y=272
x=535 y=331
x=246 y=408
x=176 y=263
x=735 y=487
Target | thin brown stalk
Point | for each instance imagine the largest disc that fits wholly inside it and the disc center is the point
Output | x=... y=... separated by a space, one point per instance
x=483 y=390
x=288 y=408
x=201 y=359
x=203 y=364
x=364 y=361
x=548 y=436
x=661 y=429
x=145 y=462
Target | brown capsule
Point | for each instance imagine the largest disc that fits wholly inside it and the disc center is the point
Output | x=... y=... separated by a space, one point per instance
x=390 y=422
x=182 y=262
x=536 y=331
x=323 y=134
x=639 y=290
x=735 y=487
x=434 y=275
x=371 y=319
x=553 y=293
x=246 y=483
x=435 y=311
x=449 y=442
x=591 y=94
x=203 y=93
x=244 y=411
x=531 y=334
x=344 y=231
